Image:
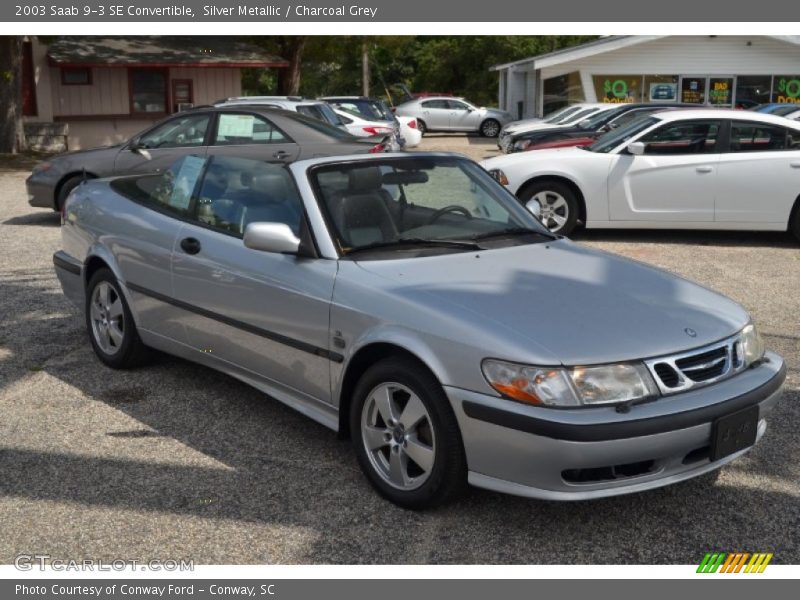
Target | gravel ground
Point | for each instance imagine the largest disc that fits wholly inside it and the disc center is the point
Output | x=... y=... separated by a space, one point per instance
x=175 y=461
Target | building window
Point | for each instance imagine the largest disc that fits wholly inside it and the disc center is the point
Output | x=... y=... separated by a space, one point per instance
x=693 y=90
x=76 y=76
x=148 y=91
x=182 y=94
x=561 y=91
x=752 y=90
x=786 y=88
x=661 y=88
x=618 y=89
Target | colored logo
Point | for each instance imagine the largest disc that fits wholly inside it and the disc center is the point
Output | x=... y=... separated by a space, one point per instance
x=734 y=562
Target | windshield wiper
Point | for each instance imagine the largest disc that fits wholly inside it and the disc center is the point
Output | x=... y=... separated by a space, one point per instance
x=513 y=231
x=461 y=244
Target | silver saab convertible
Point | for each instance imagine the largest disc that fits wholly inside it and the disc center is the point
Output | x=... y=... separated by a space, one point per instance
x=412 y=303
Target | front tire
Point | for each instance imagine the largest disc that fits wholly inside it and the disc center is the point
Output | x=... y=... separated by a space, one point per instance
x=794 y=221
x=490 y=128
x=559 y=205
x=110 y=324
x=65 y=189
x=405 y=435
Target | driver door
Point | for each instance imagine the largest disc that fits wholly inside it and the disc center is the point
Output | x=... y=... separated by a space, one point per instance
x=674 y=180
x=184 y=134
x=462 y=116
x=436 y=114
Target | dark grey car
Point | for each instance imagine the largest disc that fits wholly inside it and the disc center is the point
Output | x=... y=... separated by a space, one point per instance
x=246 y=131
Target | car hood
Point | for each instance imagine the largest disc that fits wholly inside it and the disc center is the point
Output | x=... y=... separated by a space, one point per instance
x=563 y=303
x=526 y=127
x=505 y=161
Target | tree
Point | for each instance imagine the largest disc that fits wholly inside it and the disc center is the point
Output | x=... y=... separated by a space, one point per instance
x=11 y=135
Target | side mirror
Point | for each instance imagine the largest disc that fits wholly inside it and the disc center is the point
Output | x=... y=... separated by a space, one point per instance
x=534 y=208
x=271 y=237
x=140 y=150
x=636 y=148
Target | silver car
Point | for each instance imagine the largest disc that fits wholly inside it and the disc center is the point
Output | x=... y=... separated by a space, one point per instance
x=411 y=303
x=434 y=113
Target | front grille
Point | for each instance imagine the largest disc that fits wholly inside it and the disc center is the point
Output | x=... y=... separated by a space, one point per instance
x=702 y=366
x=609 y=473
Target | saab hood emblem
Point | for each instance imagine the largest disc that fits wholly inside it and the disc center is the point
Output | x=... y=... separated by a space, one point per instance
x=690 y=332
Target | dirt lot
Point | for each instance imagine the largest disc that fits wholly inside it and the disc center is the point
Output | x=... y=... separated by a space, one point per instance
x=173 y=461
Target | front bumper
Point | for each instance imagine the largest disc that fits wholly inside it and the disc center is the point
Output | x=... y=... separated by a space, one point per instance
x=579 y=454
x=40 y=193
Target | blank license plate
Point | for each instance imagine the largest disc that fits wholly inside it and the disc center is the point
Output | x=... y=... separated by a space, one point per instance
x=734 y=432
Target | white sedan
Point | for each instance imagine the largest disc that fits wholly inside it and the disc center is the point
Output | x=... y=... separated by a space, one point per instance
x=680 y=169
x=359 y=126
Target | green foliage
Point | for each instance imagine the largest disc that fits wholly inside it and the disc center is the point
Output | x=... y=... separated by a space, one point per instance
x=452 y=64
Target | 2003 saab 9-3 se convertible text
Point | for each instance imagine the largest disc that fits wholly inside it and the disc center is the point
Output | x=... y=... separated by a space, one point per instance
x=414 y=304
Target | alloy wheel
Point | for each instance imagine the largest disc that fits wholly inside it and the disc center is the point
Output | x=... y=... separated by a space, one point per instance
x=555 y=210
x=398 y=436
x=107 y=318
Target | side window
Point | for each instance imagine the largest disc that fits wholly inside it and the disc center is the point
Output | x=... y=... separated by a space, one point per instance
x=629 y=116
x=435 y=104
x=345 y=120
x=683 y=137
x=237 y=191
x=760 y=137
x=238 y=129
x=171 y=191
x=181 y=132
x=455 y=105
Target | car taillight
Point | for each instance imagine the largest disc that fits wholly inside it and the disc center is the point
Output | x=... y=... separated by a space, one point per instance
x=376 y=130
x=378 y=148
x=412 y=124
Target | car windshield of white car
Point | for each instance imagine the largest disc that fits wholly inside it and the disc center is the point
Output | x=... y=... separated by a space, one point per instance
x=421 y=205
x=606 y=143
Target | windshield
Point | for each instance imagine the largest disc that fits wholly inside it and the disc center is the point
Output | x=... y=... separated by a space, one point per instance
x=408 y=204
x=581 y=114
x=322 y=126
x=782 y=111
x=371 y=110
x=606 y=143
x=320 y=111
x=601 y=118
x=556 y=116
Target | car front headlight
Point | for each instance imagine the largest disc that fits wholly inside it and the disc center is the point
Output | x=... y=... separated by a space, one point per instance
x=570 y=387
x=752 y=345
x=521 y=145
x=499 y=176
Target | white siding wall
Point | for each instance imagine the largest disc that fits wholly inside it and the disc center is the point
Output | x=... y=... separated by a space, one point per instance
x=108 y=94
x=681 y=55
x=211 y=84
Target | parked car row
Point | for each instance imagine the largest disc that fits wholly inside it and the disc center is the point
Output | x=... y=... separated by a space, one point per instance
x=671 y=169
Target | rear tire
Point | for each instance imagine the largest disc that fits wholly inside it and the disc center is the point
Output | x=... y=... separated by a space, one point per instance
x=423 y=129
x=559 y=204
x=110 y=325
x=65 y=189
x=405 y=435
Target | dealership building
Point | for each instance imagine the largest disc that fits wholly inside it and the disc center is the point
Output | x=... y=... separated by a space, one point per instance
x=722 y=71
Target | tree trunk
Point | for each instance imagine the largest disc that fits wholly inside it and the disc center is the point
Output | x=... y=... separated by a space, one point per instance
x=365 y=76
x=11 y=135
x=289 y=78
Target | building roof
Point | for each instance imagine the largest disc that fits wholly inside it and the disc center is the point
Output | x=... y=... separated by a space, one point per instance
x=158 y=51
x=599 y=46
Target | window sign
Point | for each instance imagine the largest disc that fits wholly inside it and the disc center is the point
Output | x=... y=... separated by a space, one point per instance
x=236 y=126
x=618 y=89
x=693 y=90
x=786 y=89
x=185 y=181
x=663 y=92
x=720 y=91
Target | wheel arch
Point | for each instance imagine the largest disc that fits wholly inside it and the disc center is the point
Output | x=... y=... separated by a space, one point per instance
x=100 y=257
x=63 y=180
x=358 y=364
x=563 y=180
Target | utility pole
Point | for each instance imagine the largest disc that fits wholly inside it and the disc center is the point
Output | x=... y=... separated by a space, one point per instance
x=365 y=67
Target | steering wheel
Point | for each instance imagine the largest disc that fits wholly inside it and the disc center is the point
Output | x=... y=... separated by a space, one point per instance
x=453 y=208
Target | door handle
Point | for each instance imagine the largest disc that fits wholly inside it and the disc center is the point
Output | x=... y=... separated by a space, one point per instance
x=795 y=164
x=704 y=169
x=190 y=245
x=281 y=154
